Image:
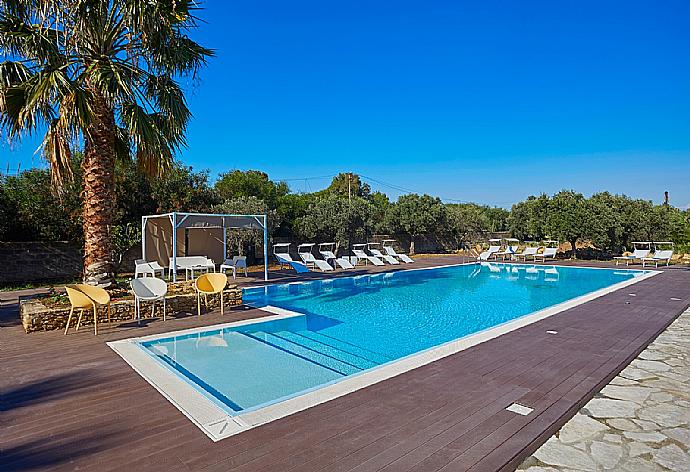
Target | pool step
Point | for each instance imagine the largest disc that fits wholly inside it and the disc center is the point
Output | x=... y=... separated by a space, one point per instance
x=371 y=358
x=309 y=353
x=342 y=351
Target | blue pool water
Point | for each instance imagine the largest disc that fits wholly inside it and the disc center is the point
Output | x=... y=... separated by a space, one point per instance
x=353 y=324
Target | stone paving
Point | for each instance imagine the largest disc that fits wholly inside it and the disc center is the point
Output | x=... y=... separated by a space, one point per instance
x=639 y=422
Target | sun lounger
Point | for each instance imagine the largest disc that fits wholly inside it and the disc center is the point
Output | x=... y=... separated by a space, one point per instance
x=486 y=255
x=361 y=255
x=378 y=254
x=527 y=252
x=549 y=253
x=343 y=263
x=638 y=254
x=657 y=257
x=304 y=252
x=390 y=250
x=510 y=251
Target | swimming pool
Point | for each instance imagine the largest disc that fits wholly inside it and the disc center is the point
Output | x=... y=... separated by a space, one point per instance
x=329 y=337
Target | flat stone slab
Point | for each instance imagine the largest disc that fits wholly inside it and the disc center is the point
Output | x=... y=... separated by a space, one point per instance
x=606 y=408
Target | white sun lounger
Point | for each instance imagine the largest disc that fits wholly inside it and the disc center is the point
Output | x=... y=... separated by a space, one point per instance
x=343 y=263
x=638 y=254
x=281 y=251
x=377 y=253
x=304 y=251
x=360 y=254
x=657 y=257
x=390 y=250
x=510 y=252
x=527 y=252
x=486 y=255
x=549 y=253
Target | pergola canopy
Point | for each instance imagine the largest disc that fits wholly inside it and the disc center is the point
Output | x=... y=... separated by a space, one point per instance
x=194 y=234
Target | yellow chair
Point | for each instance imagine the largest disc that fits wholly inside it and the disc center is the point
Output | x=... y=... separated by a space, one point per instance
x=81 y=301
x=209 y=284
x=97 y=294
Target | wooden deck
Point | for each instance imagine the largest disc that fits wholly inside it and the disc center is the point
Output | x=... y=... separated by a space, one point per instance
x=71 y=403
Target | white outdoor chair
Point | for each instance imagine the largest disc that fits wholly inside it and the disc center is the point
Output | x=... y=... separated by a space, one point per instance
x=638 y=254
x=148 y=289
x=237 y=262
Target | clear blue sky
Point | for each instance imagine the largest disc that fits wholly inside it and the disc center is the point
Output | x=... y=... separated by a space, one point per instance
x=473 y=101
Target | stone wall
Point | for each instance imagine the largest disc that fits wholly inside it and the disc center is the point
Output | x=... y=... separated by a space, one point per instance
x=22 y=262
x=36 y=316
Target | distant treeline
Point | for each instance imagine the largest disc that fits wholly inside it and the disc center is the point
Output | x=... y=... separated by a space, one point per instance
x=346 y=211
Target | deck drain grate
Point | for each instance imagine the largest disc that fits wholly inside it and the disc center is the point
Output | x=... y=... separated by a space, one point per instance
x=520 y=409
x=632 y=294
x=551 y=332
x=676 y=299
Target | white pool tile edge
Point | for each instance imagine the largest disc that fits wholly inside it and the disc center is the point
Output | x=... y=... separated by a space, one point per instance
x=217 y=424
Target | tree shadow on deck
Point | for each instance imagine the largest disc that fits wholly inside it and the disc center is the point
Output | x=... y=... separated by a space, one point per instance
x=46 y=389
x=56 y=449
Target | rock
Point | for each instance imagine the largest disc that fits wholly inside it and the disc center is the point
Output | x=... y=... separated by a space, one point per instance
x=647 y=425
x=605 y=454
x=555 y=453
x=637 y=449
x=652 y=355
x=665 y=415
x=636 y=374
x=623 y=424
x=579 y=428
x=682 y=435
x=639 y=465
x=661 y=397
x=622 y=381
x=648 y=437
x=672 y=457
x=614 y=438
x=606 y=408
x=651 y=366
x=635 y=394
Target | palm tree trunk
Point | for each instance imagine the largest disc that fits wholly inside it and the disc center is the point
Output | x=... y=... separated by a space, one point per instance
x=98 y=169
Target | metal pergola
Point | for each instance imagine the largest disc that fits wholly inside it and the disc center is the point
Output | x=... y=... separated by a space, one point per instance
x=182 y=220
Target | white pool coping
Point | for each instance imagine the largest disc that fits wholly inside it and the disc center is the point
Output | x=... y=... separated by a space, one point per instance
x=217 y=424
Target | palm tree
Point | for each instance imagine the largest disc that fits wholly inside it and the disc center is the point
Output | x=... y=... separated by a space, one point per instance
x=101 y=74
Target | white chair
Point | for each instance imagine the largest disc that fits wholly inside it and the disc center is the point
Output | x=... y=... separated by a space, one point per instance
x=237 y=262
x=390 y=250
x=658 y=256
x=377 y=253
x=148 y=289
x=142 y=269
x=358 y=250
x=549 y=253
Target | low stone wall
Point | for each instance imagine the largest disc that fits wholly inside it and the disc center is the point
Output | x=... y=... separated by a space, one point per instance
x=36 y=316
x=39 y=261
